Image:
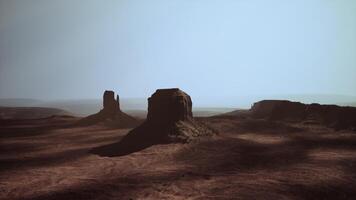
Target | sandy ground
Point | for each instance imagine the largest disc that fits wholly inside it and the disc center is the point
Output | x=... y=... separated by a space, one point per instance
x=46 y=159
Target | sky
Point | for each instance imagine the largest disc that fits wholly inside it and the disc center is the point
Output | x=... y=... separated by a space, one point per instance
x=212 y=49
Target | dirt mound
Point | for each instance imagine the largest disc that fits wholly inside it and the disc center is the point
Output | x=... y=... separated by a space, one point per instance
x=334 y=116
x=111 y=114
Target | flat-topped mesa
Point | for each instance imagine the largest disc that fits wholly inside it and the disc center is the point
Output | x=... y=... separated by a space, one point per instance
x=169 y=106
x=334 y=116
x=278 y=109
x=110 y=105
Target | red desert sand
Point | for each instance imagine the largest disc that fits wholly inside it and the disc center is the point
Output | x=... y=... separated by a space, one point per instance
x=249 y=159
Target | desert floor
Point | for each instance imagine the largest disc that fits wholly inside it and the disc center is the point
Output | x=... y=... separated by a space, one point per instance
x=249 y=159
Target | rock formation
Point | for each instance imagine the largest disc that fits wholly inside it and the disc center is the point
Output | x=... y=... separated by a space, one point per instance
x=278 y=109
x=110 y=105
x=334 y=116
x=169 y=120
x=111 y=114
x=169 y=106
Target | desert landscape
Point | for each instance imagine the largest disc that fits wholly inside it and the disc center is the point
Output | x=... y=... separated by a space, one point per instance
x=245 y=155
x=177 y=100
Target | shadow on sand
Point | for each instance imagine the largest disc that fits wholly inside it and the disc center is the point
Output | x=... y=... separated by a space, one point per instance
x=136 y=140
x=236 y=157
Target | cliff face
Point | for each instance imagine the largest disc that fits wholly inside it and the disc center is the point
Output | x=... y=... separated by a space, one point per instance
x=110 y=105
x=334 y=116
x=169 y=105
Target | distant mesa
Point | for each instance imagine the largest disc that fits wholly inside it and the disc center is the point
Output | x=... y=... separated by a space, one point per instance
x=334 y=116
x=278 y=109
x=17 y=113
x=169 y=120
x=111 y=114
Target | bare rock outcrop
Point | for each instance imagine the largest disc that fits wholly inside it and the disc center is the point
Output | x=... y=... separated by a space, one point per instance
x=278 y=109
x=111 y=114
x=334 y=116
x=111 y=106
x=169 y=120
x=169 y=106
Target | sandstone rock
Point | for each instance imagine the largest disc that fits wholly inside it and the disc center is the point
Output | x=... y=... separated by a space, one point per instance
x=110 y=105
x=169 y=105
x=278 y=109
x=334 y=116
x=111 y=114
x=169 y=120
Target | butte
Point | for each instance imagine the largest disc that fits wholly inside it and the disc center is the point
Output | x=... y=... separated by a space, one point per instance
x=111 y=114
x=169 y=120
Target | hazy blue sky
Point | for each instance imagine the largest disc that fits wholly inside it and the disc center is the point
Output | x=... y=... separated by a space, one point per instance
x=77 y=48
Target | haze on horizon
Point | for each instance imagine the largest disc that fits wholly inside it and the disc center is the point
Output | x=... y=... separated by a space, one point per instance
x=64 y=49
